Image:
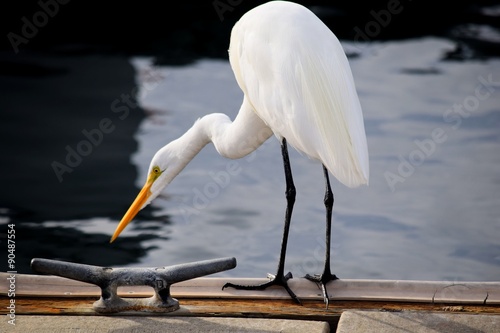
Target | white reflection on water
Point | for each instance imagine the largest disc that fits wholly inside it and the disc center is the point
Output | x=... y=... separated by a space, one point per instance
x=439 y=220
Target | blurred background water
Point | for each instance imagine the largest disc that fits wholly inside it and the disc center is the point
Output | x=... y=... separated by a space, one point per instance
x=82 y=115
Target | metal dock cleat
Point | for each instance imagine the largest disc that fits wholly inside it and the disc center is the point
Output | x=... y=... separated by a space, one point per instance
x=109 y=279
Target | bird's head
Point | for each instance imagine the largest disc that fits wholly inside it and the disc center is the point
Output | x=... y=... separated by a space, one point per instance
x=163 y=168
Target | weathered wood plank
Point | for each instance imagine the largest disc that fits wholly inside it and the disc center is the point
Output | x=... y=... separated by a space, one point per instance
x=358 y=290
x=203 y=297
x=283 y=309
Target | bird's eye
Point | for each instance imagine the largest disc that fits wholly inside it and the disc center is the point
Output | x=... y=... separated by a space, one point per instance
x=155 y=173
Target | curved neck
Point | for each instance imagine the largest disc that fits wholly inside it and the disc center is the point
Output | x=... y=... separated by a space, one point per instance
x=231 y=139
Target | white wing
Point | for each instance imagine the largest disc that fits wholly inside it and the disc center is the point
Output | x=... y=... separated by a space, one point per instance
x=295 y=74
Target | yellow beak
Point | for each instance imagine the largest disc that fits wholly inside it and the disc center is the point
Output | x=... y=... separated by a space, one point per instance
x=134 y=209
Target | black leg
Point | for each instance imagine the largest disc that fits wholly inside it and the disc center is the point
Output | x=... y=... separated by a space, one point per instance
x=326 y=276
x=280 y=278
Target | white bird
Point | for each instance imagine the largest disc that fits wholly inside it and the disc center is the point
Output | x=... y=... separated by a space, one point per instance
x=297 y=85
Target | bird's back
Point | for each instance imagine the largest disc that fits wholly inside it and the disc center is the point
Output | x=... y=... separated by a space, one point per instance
x=296 y=77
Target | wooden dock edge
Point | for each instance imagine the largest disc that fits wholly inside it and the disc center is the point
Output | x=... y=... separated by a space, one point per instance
x=204 y=297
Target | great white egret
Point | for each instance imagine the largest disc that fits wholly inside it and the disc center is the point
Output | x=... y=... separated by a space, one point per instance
x=297 y=85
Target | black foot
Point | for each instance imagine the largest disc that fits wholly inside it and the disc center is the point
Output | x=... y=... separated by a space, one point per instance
x=322 y=280
x=276 y=280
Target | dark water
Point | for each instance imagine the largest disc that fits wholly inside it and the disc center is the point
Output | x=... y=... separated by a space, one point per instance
x=46 y=112
x=78 y=132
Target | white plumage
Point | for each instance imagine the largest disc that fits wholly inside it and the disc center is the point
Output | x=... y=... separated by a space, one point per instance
x=297 y=79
